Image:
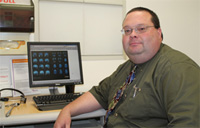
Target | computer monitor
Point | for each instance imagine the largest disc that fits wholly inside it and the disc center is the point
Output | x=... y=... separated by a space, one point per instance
x=54 y=64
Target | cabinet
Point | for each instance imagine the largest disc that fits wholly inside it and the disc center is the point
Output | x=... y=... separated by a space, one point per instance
x=95 y=24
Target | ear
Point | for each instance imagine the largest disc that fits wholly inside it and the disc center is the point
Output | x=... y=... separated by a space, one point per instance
x=160 y=34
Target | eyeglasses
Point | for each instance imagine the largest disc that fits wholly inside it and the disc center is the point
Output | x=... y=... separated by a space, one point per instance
x=138 y=29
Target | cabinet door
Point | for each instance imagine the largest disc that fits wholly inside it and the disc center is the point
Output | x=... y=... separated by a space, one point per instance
x=96 y=26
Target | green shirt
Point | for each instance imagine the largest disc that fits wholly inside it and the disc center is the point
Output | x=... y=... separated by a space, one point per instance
x=169 y=95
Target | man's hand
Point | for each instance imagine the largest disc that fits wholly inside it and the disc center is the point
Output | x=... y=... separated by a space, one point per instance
x=63 y=120
x=83 y=104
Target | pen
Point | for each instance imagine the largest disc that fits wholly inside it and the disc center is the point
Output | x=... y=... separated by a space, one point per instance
x=135 y=90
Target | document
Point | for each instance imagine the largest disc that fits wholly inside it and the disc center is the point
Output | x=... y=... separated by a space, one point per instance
x=4 y=75
x=21 y=77
x=4 y=81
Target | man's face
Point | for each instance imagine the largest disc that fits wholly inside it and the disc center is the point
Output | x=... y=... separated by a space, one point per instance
x=142 y=46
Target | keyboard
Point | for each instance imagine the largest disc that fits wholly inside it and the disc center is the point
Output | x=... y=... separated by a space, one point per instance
x=53 y=102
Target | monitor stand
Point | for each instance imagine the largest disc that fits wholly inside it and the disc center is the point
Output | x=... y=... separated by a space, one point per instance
x=53 y=90
x=68 y=89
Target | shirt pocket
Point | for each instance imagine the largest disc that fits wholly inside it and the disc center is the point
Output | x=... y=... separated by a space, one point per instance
x=138 y=107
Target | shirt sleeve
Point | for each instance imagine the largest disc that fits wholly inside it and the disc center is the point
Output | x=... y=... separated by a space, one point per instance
x=181 y=92
x=100 y=92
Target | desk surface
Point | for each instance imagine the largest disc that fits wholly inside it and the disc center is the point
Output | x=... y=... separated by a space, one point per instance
x=29 y=114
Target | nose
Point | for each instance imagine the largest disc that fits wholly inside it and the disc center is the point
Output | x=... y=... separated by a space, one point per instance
x=133 y=34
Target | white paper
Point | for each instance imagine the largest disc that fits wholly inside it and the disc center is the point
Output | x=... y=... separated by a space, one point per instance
x=20 y=77
x=4 y=76
x=4 y=81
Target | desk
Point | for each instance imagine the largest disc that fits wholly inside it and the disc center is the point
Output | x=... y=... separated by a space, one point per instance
x=29 y=114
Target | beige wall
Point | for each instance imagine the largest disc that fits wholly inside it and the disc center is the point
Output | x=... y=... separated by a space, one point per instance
x=180 y=23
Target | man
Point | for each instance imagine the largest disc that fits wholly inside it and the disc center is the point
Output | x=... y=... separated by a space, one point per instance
x=161 y=91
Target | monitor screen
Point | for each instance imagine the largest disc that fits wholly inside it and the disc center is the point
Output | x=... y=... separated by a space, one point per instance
x=54 y=64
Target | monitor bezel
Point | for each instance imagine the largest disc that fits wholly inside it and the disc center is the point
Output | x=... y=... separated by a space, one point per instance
x=53 y=84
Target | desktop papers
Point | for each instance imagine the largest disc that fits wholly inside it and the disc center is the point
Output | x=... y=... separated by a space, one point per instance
x=20 y=77
x=4 y=81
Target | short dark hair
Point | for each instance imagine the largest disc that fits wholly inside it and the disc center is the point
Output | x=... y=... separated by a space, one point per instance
x=154 y=17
